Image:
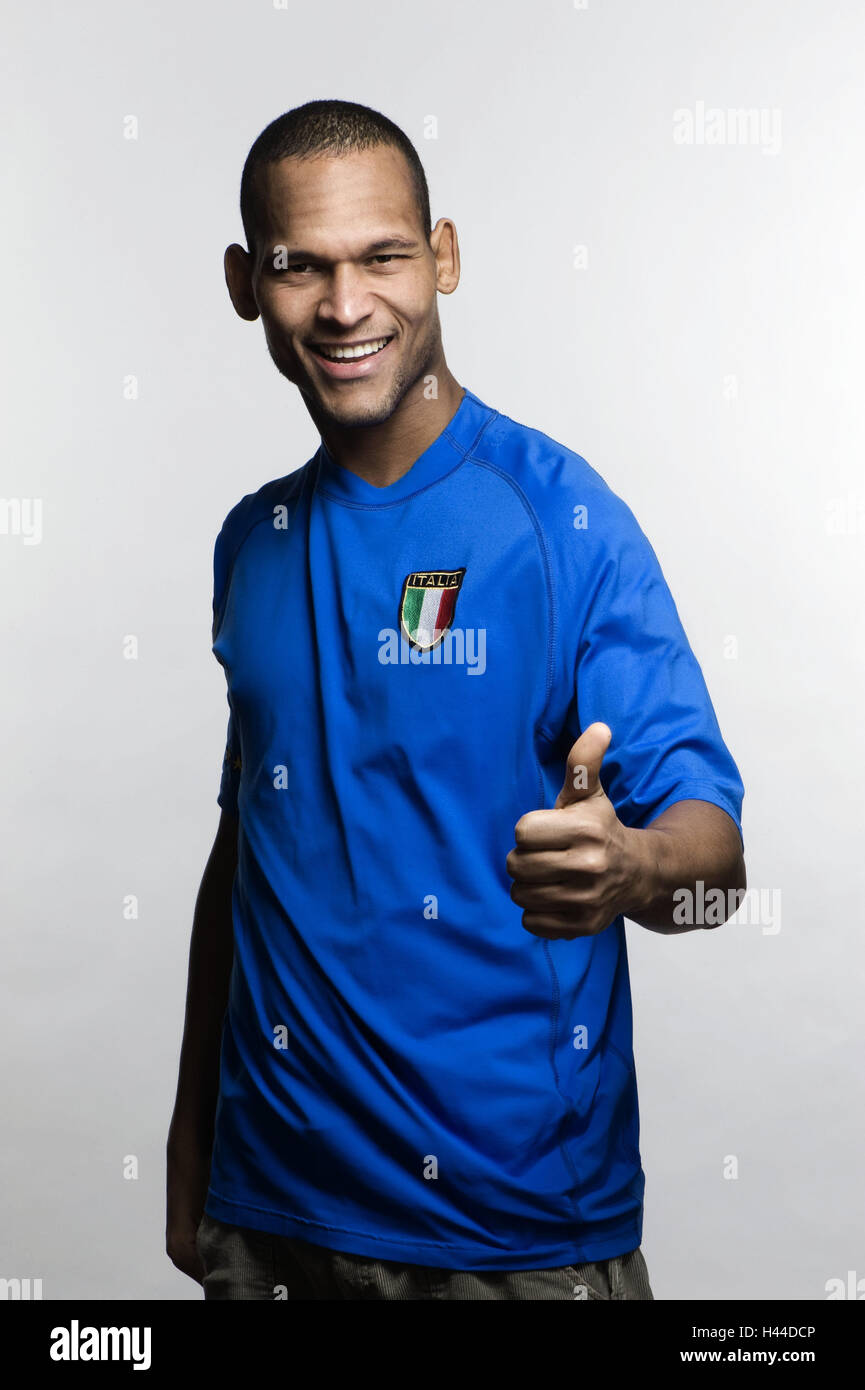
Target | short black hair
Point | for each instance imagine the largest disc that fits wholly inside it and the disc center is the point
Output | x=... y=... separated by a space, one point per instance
x=325 y=127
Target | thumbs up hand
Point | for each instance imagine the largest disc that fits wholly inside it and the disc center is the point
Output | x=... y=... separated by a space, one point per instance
x=575 y=866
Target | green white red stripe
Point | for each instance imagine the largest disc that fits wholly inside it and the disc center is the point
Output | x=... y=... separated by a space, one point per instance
x=428 y=605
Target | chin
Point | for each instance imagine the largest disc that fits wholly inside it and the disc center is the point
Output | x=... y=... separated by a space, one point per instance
x=373 y=407
x=373 y=412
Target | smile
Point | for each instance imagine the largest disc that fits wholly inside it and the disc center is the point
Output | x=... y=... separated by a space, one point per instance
x=348 y=354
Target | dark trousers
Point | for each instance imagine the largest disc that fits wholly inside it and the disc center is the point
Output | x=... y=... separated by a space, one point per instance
x=240 y=1263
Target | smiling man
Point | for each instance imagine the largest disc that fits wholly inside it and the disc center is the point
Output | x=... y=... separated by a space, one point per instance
x=407 y=1068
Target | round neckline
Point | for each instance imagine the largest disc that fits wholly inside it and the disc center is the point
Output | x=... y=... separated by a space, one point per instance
x=442 y=456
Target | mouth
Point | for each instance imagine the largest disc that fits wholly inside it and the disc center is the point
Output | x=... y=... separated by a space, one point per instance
x=351 y=359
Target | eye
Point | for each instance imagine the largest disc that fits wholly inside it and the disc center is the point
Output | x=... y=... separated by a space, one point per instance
x=299 y=267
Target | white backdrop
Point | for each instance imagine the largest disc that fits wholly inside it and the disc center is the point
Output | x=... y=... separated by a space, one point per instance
x=670 y=288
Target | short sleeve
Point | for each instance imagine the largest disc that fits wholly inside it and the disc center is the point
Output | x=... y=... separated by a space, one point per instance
x=221 y=568
x=231 y=761
x=637 y=673
x=231 y=765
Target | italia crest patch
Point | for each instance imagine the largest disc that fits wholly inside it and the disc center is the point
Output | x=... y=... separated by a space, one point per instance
x=427 y=605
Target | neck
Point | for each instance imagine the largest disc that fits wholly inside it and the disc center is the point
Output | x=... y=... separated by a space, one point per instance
x=381 y=454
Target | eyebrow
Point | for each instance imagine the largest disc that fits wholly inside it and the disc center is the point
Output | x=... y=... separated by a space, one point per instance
x=384 y=244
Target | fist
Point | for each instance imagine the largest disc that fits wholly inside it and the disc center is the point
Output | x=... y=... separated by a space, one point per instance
x=573 y=866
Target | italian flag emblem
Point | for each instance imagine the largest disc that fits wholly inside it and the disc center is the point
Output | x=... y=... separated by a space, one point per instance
x=426 y=608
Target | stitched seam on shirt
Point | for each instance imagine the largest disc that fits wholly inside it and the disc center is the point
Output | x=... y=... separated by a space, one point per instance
x=566 y=1100
x=631 y=1069
x=551 y=641
x=552 y=621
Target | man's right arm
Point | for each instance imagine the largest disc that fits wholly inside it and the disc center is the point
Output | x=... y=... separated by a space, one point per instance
x=190 y=1136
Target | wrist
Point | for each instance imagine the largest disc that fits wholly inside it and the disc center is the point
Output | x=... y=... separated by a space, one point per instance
x=643 y=877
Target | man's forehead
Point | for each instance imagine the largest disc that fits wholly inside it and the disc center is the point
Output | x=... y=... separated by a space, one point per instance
x=340 y=205
x=379 y=176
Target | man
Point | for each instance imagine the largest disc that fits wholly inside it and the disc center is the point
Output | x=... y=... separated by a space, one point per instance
x=407 y=1067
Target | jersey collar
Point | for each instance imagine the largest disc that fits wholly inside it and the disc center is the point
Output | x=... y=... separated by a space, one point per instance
x=446 y=453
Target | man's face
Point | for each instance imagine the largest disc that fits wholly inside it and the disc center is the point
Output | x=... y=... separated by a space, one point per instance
x=331 y=271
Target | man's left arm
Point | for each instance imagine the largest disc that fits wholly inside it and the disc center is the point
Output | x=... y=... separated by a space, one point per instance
x=576 y=867
x=655 y=835
x=691 y=843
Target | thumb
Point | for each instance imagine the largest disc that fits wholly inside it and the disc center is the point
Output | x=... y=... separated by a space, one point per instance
x=583 y=772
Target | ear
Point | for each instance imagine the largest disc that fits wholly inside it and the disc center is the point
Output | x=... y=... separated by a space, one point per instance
x=445 y=248
x=238 y=278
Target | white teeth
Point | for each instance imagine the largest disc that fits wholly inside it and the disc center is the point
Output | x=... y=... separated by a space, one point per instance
x=338 y=354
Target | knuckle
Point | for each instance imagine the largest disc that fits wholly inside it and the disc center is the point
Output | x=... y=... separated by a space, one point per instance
x=594 y=861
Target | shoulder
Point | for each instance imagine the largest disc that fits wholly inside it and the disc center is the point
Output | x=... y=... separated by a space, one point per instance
x=258 y=506
x=251 y=511
x=562 y=489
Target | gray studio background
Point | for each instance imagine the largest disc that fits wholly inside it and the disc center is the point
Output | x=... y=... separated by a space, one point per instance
x=703 y=351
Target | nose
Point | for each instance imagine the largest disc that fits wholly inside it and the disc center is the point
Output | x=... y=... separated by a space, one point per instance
x=347 y=300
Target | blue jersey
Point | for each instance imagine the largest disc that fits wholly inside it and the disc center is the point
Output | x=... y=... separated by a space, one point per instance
x=406 y=1072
